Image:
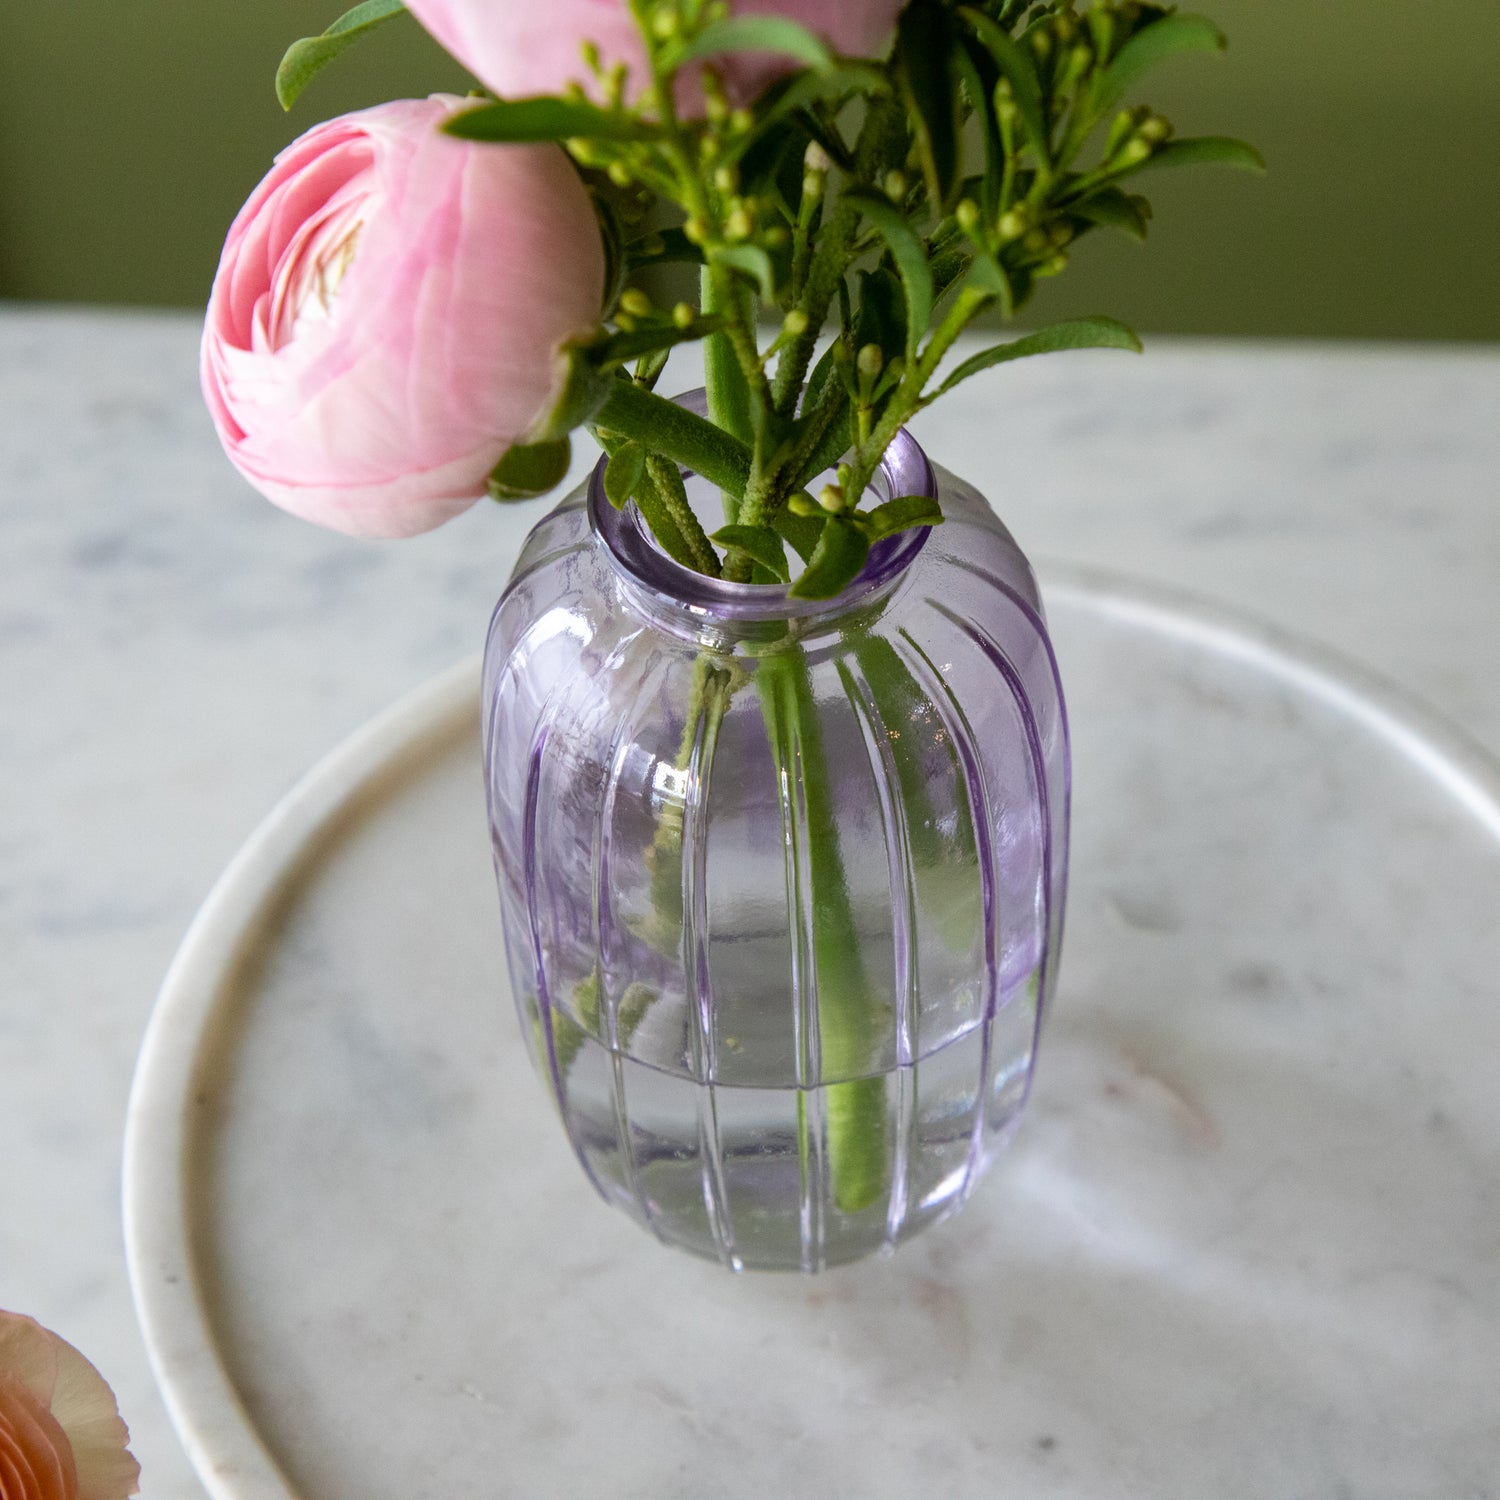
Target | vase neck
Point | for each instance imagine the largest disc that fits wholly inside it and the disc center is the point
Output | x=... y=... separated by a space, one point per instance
x=713 y=610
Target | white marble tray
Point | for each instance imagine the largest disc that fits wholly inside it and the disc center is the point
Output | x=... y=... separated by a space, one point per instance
x=1247 y=1243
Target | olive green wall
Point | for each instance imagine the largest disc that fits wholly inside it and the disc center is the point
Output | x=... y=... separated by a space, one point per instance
x=131 y=130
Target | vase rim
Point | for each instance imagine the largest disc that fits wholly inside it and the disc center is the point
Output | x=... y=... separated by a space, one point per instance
x=905 y=470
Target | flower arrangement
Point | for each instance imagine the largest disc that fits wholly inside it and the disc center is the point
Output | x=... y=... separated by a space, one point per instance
x=423 y=302
x=61 y=1437
x=424 y=299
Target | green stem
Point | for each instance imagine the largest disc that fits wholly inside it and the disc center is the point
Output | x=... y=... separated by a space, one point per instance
x=850 y=1015
x=661 y=426
x=659 y=518
x=667 y=478
x=724 y=380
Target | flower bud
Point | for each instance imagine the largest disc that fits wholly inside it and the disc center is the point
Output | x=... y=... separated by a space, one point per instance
x=895 y=186
x=802 y=504
x=1155 y=129
x=967 y=215
x=684 y=315
x=739 y=225
x=1120 y=130
x=1014 y=224
x=794 y=325
x=870 y=361
x=715 y=102
x=636 y=303
x=1102 y=26
x=727 y=179
x=831 y=498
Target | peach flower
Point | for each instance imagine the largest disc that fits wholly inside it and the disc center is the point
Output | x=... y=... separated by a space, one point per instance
x=61 y=1437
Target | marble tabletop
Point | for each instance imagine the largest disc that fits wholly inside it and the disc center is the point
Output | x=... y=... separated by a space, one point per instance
x=174 y=653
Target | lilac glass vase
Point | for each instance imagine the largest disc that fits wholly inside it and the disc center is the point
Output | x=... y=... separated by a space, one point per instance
x=782 y=881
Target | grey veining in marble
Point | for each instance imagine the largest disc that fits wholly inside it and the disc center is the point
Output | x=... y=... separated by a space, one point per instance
x=173 y=653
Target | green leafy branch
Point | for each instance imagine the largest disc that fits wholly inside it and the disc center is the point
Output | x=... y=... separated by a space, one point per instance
x=848 y=191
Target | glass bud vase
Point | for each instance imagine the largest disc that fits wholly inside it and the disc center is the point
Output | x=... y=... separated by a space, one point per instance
x=782 y=881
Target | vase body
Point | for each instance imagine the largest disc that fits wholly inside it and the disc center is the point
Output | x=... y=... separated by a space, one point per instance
x=782 y=882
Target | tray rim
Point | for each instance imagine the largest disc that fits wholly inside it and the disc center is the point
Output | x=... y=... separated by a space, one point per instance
x=227 y=1452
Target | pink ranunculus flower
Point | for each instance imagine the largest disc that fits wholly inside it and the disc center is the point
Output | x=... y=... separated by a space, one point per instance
x=520 y=49
x=61 y=1437
x=387 y=313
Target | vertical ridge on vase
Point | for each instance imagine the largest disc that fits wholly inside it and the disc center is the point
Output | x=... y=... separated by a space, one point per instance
x=604 y=944
x=997 y=658
x=709 y=682
x=1057 y=846
x=897 y=840
x=961 y=733
x=780 y=708
x=529 y=838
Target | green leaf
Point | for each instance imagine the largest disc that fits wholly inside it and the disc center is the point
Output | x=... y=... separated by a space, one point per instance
x=1154 y=43
x=546 y=120
x=759 y=34
x=1077 y=333
x=759 y=543
x=835 y=562
x=898 y=515
x=986 y=274
x=881 y=319
x=623 y=473
x=968 y=57
x=1016 y=64
x=1124 y=211
x=836 y=441
x=802 y=532
x=924 y=75
x=751 y=261
x=910 y=256
x=308 y=57
x=1205 y=150
x=526 y=471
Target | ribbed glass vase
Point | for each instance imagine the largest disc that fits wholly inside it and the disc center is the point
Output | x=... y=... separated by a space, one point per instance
x=782 y=881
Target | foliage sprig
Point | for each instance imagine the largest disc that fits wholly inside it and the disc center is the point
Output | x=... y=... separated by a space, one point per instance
x=895 y=200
